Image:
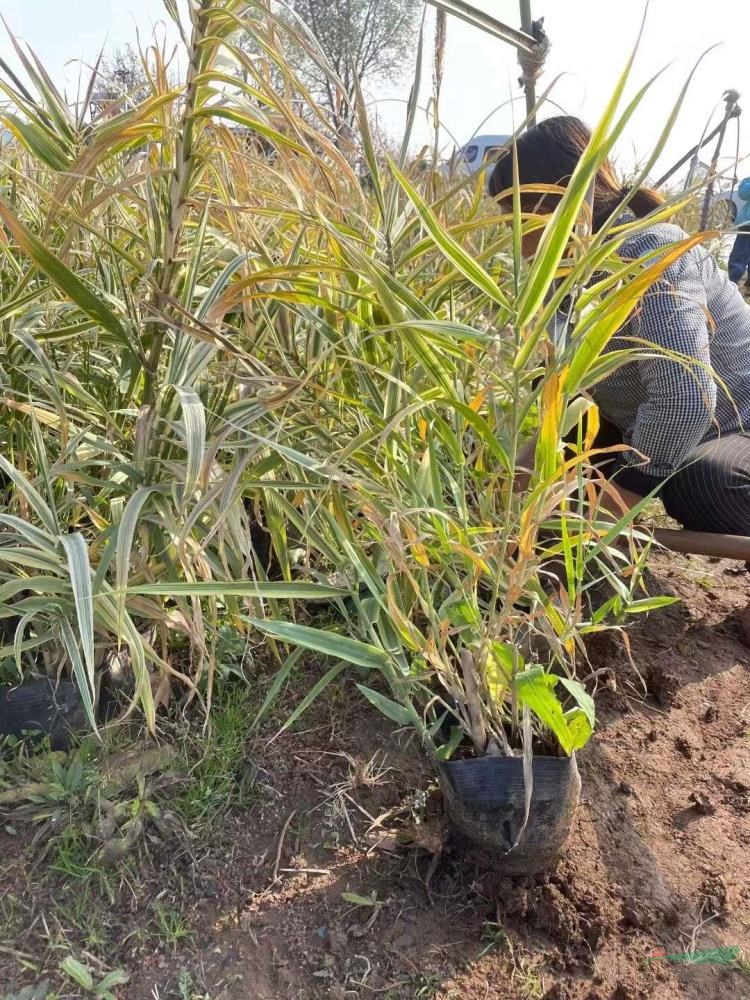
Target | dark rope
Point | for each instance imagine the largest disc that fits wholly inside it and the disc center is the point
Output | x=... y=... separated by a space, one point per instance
x=532 y=63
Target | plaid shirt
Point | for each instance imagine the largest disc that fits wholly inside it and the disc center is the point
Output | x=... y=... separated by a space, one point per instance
x=666 y=407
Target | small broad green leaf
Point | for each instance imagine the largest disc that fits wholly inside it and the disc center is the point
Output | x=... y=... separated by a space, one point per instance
x=118 y=977
x=536 y=690
x=356 y=900
x=503 y=660
x=78 y=972
x=583 y=699
x=391 y=709
x=507 y=657
x=461 y=613
x=446 y=751
x=579 y=727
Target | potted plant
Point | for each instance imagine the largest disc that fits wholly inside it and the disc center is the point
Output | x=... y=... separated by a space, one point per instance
x=455 y=611
x=444 y=371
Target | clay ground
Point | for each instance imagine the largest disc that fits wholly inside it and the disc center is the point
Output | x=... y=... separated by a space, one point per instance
x=308 y=886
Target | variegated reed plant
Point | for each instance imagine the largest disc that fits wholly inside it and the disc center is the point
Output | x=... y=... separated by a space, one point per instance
x=140 y=375
x=475 y=598
x=202 y=332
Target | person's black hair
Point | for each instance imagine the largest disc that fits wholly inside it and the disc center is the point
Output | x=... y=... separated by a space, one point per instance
x=548 y=153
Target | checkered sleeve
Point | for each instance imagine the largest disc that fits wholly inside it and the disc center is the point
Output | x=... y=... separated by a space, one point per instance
x=680 y=391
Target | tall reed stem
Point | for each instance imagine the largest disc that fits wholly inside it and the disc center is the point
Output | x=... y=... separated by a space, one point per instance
x=179 y=188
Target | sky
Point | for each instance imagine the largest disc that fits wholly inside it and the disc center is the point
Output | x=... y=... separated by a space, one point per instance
x=591 y=40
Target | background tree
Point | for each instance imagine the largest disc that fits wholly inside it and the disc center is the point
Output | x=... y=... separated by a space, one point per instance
x=364 y=40
x=121 y=82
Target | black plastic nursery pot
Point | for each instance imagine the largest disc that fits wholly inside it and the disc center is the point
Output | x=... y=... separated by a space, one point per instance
x=41 y=708
x=485 y=802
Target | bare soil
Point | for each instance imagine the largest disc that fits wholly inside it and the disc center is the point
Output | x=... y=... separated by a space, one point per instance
x=658 y=857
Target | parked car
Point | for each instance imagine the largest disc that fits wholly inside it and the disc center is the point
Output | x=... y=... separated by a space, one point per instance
x=476 y=154
x=729 y=199
x=724 y=193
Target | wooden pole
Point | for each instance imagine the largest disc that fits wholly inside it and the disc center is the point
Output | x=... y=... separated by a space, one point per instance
x=529 y=86
x=692 y=152
x=731 y=98
x=700 y=543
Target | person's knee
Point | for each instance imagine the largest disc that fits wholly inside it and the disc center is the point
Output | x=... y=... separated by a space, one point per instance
x=712 y=493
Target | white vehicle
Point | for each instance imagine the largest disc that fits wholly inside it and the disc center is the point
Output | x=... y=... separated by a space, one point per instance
x=729 y=198
x=476 y=154
x=724 y=193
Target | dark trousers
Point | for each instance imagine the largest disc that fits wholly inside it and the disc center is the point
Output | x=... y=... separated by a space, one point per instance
x=711 y=491
x=739 y=258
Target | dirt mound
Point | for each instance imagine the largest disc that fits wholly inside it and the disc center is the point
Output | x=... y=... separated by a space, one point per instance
x=339 y=882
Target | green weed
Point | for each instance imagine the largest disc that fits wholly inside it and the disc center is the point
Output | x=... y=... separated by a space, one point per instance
x=39 y=992
x=92 y=984
x=187 y=987
x=216 y=778
x=422 y=986
x=494 y=938
x=171 y=927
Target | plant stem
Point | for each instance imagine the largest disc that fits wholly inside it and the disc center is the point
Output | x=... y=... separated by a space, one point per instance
x=179 y=187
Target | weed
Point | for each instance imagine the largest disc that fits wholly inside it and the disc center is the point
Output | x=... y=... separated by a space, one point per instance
x=216 y=779
x=170 y=925
x=525 y=976
x=39 y=992
x=368 y=901
x=423 y=986
x=71 y=857
x=89 y=807
x=75 y=908
x=742 y=965
x=231 y=651
x=494 y=938
x=188 y=988
x=528 y=980
x=11 y=913
x=361 y=774
x=100 y=988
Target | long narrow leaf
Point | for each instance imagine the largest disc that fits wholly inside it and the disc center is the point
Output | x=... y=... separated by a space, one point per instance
x=80 y=581
x=318 y=640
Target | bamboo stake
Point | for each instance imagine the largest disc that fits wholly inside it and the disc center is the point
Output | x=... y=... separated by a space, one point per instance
x=703 y=543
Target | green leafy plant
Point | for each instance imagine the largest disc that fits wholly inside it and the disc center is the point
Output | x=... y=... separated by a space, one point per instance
x=82 y=976
x=90 y=808
x=170 y=925
x=39 y=992
x=474 y=598
x=133 y=459
x=238 y=381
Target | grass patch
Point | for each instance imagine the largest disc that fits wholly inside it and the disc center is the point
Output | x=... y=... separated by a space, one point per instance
x=171 y=927
x=217 y=776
